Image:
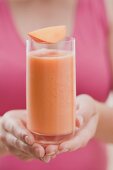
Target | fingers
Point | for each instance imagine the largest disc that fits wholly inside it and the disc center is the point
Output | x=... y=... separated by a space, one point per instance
x=82 y=138
x=46 y=159
x=50 y=153
x=18 y=130
x=20 y=154
x=11 y=141
x=17 y=138
x=38 y=150
x=85 y=107
x=51 y=150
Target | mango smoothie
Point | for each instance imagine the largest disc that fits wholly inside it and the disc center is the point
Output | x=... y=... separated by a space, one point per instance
x=51 y=92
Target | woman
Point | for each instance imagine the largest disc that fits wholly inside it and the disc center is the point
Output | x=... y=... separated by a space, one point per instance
x=91 y=22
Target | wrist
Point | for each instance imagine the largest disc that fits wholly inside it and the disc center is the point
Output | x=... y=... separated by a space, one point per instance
x=105 y=123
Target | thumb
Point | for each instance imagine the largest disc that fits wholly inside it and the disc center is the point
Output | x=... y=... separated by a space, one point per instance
x=85 y=109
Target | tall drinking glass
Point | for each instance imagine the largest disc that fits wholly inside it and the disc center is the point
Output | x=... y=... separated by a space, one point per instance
x=51 y=90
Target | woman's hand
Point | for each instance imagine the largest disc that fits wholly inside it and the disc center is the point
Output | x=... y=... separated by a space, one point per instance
x=86 y=124
x=16 y=138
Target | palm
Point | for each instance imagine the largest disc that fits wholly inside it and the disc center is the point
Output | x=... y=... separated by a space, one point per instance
x=86 y=131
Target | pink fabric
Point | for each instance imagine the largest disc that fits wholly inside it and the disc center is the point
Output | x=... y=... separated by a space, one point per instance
x=93 y=78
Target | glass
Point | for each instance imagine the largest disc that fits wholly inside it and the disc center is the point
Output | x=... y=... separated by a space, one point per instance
x=51 y=90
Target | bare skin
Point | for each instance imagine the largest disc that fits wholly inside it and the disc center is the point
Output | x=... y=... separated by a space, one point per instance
x=92 y=113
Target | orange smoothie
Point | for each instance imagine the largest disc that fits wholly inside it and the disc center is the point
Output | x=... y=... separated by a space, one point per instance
x=51 y=92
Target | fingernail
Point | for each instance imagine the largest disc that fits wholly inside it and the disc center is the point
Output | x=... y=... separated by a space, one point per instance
x=46 y=159
x=50 y=154
x=28 y=140
x=80 y=118
x=64 y=150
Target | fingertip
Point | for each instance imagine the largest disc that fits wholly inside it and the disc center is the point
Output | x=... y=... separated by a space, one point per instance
x=79 y=121
x=51 y=150
x=46 y=159
x=38 y=149
x=29 y=139
x=63 y=147
x=39 y=153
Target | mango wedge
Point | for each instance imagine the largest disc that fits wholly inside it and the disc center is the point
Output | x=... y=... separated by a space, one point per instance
x=49 y=35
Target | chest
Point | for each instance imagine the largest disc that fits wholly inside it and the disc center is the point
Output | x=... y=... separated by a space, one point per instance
x=92 y=61
x=92 y=56
x=43 y=15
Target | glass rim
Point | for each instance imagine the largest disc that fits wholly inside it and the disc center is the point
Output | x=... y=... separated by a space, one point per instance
x=66 y=39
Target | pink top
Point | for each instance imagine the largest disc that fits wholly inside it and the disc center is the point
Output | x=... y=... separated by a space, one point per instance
x=93 y=78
